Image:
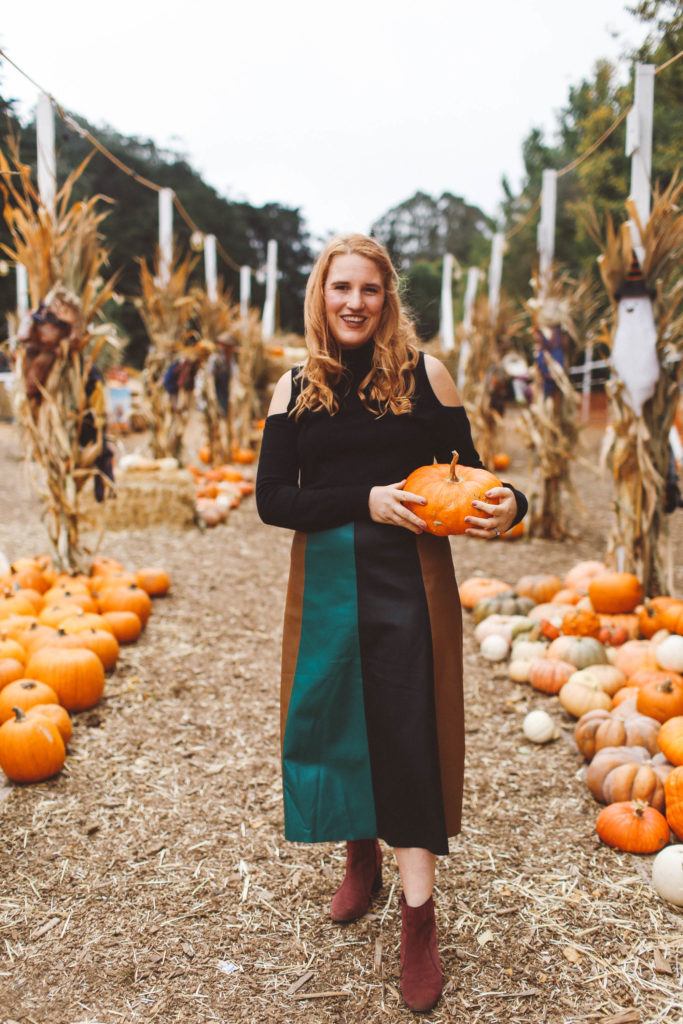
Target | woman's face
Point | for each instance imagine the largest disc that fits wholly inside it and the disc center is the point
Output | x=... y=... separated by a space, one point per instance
x=354 y=299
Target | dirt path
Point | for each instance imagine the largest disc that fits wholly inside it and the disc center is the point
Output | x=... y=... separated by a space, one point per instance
x=150 y=881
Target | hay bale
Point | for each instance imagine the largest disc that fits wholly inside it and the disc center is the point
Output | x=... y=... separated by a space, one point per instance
x=146 y=498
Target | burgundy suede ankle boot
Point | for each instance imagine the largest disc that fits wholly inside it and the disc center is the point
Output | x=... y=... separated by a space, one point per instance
x=421 y=972
x=363 y=878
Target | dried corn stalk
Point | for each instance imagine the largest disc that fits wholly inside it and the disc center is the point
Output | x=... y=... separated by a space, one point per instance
x=245 y=402
x=550 y=424
x=638 y=450
x=488 y=340
x=218 y=326
x=56 y=396
x=167 y=311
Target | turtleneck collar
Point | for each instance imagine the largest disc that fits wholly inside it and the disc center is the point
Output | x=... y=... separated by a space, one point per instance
x=358 y=360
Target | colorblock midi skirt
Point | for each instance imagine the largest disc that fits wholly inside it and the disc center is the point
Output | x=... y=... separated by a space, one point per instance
x=371 y=697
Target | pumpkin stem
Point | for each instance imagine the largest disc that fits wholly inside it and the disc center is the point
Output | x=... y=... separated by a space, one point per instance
x=18 y=714
x=454 y=463
x=639 y=807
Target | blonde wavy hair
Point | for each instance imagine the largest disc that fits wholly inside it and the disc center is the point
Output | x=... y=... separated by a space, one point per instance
x=390 y=382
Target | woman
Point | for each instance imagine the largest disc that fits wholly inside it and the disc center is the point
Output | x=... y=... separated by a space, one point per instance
x=372 y=717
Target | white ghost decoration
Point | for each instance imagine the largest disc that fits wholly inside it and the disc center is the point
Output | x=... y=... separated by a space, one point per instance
x=634 y=353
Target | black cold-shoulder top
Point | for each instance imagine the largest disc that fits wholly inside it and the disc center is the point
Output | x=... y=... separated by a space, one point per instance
x=317 y=472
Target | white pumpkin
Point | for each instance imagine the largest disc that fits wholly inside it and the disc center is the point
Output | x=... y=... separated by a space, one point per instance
x=525 y=650
x=667 y=874
x=495 y=648
x=518 y=670
x=669 y=653
x=496 y=625
x=539 y=727
x=605 y=677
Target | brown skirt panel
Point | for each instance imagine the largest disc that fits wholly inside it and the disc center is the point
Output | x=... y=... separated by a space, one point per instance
x=292 y=625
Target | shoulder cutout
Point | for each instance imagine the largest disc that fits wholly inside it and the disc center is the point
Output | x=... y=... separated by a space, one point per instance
x=281 y=395
x=441 y=382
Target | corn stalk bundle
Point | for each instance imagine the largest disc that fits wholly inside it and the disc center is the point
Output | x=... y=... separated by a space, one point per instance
x=167 y=311
x=488 y=339
x=638 y=445
x=55 y=396
x=218 y=325
x=550 y=423
x=245 y=402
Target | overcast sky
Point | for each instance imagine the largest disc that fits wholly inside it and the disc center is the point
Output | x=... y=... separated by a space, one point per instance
x=340 y=107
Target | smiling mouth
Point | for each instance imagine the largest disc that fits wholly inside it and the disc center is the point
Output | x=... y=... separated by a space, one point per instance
x=354 y=321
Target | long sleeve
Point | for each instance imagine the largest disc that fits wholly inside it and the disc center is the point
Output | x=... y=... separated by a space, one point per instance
x=282 y=502
x=453 y=433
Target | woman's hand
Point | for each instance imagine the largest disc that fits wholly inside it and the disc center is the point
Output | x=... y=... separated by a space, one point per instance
x=500 y=516
x=386 y=506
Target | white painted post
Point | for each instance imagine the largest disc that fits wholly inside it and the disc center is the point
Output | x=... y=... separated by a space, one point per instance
x=245 y=293
x=446 y=328
x=587 y=384
x=22 y=291
x=165 y=234
x=496 y=273
x=210 y=275
x=47 y=163
x=639 y=148
x=268 y=325
x=473 y=275
x=546 y=228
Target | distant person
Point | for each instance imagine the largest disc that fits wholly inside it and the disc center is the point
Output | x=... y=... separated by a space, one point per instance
x=372 y=700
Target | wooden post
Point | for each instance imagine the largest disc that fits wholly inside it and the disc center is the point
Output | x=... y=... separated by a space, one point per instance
x=245 y=293
x=546 y=229
x=496 y=273
x=473 y=275
x=47 y=165
x=446 y=329
x=210 y=268
x=268 y=326
x=165 y=234
x=639 y=148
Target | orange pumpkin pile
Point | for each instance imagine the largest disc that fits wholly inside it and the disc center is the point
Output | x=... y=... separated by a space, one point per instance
x=614 y=660
x=59 y=636
x=220 y=489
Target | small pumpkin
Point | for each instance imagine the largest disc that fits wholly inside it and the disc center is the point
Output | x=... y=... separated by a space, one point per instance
x=581 y=623
x=633 y=655
x=31 y=749
x=498 y=625
x=88 y=620
x=518 y=670
x=549 y=676
x=626 y=695
x=101 y=642
x=633 y=826
x=10 y=669
x=669 y=653
x=662 y=699
x=567 y=596
x=601 y=729
x=539 y=727
x=550 y=610
x=618 y=624
x=651 y=615
x=55 y=614
x=130 y=599
x=35 y=635
x=667 y=875
x=580 y=575
x=494 y=648
x=541 y=587
x=580 y=695
x=514 y=533
x=615 y=592
x=525 y=650
x=24 y=693
x=102 y=565
x=633 y=781
x=501 y=460
x=450 y=491
x=126 y=626
x=549 y=630
x=10 y=648
x=31 y=578
x=672 y=618
x=673 y=792
x=76 y=674
x=81 y=600
x=477 y=588
x=16 y=605
x=508 y=603
x=581 y=651
x=156 y=582
x=670 y=739
x=56 y=714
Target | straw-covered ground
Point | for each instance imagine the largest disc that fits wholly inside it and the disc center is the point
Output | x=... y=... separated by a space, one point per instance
x=150 y=881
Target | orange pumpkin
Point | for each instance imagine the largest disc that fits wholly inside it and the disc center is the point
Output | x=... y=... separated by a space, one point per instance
x=610 y=730
x=633 y=827
x=204 y=454
x=629 y=623
x=31 y=578
x=56 y=714
x=581 y=623
x=626 y=693
x=10 y=669
x=670 y=739
x=478 y=588
x=126 y=626
x=514 y=533
x=651 y=615
x=501 y=460
x=541 y=588
x=16 y=605
x=652 y=675
x=88 y=620
x=661 y=699
x=35 y=635
x=101 y=642
x=24 y=693
x=245 y=456
x=634 y=655
x=672 y=618
x=103 y=565
x=673 y=792
x=567 y=596
x=450 y=491
x=54 y=614
x=31 y=749
x=580 y=575
x=615 y=592
x=10 y=648
x=129 y=599
x=156 y=582
x=76 y=675
x=549 y=676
